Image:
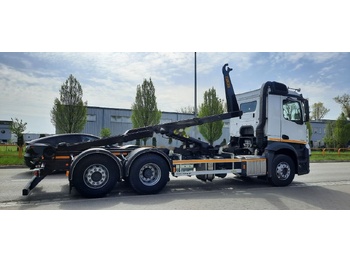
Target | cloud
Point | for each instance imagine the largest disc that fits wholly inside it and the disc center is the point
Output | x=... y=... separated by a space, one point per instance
x=33 y=80
x=27 y=96
x=317 y=91
x=316 y=57
x=297 y=66
x=110 y=79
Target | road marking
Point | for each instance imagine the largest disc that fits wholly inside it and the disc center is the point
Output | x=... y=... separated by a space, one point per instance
x=325 y=183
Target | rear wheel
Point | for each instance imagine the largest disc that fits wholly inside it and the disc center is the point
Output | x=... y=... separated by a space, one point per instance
x=149 y=174
x=283 y=171
x=206 y=177
x=95 y=175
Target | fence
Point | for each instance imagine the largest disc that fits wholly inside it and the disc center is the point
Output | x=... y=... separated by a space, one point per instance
x=11 y=150
x=324 y=151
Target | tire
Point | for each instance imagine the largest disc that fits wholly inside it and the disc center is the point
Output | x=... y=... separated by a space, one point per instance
x=206 y=177
x=95 y=175
x=282 y=171
x=223 y=175
x=149 y=174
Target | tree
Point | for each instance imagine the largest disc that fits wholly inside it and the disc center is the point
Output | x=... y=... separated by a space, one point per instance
x=187 y=110
x=68 y=114
x=105 y=132
x=154 y=141
x=309 y=130
x=212 y=105
x=144 y=109
x=337 y=132
x=318 y=111
x=344 y=100
x=18 y=127
x=329 y=137
x=342 y=131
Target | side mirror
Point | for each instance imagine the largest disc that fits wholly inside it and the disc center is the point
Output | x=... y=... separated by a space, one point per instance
x=307 y=110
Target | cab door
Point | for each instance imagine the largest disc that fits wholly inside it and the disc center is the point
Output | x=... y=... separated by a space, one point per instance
x=292 y=122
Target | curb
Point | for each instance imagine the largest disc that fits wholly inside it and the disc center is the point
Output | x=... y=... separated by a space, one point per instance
x=13 y=166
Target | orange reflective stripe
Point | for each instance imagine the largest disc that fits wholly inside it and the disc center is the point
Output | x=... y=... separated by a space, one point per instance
x=287 y=141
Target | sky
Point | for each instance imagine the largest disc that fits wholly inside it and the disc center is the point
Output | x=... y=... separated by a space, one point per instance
x=30 y=81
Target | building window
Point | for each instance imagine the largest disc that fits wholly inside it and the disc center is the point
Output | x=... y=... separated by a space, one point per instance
x=165 y=120
x=120 y=119
x=317 y=130
x=91 y=118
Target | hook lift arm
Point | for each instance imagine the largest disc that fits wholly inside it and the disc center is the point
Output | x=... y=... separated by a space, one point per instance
x=168 y=129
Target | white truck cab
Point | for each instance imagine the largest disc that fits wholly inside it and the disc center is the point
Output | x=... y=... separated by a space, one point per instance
x=284 y=116
x=273 y=122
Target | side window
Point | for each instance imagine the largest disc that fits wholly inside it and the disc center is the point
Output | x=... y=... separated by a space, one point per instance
x=49 y=140
x=87 y=138
x=292 y=111
x=69 y=139
x=248 y=107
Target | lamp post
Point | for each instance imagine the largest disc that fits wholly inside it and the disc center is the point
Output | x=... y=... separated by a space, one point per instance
x=195 y=84
x=195 y=92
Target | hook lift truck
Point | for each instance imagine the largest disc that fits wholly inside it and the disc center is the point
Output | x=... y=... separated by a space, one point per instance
x=268 y=139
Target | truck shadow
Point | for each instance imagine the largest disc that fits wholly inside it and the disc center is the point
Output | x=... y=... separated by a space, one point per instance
x=226 y=194
x=27 y=174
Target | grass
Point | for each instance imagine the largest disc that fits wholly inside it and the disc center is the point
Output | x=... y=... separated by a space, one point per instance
x=317 y=156
x=11 y=160
x=9 y=155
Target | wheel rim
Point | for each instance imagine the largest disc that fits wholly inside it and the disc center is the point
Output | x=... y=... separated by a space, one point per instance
x=96 y=176
x=150 y=174
x=283 y=171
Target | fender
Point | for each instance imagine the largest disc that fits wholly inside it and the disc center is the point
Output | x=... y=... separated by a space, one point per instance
x=141 y=151
x=92 y=151
x=280 y=148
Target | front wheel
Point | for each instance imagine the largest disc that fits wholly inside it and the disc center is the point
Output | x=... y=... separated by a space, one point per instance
x=149 y=174
x=283 y=171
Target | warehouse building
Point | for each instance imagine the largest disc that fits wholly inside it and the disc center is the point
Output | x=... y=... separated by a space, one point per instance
x=119 y=120
x=5 y=131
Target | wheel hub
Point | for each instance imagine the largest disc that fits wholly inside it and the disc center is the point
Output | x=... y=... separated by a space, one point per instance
x=96 y=176
x=283 y=171
x=150 y=174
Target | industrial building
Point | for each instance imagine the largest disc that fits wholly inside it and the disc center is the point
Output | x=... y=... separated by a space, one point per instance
x=119 y=120
x=318 y=132
x=5 y=131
